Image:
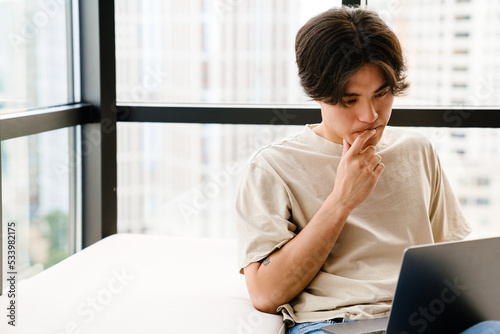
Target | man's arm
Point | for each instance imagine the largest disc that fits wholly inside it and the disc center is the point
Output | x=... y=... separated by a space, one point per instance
x=287 y=271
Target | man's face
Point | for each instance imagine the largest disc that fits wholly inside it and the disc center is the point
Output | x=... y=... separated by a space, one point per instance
x=369 y=106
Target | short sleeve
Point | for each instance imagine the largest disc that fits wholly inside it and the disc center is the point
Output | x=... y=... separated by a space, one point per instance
x=262 y=215
x=446 y=216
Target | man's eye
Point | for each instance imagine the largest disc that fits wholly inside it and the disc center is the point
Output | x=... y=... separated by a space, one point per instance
x=381 y=93
x=350 y=101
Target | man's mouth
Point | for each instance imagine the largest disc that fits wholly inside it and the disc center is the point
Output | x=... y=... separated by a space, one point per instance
x=360 y=132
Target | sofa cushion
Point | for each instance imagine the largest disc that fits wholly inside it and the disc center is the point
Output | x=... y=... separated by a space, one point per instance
x=130 y=283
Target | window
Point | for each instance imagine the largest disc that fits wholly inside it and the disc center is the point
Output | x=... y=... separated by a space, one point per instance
x=473 y=174
x=222 y=51
x=440 y=40
x=39 y=175
x=181 y=179
x=40 y=178
x=36 y=59
x=241 y=53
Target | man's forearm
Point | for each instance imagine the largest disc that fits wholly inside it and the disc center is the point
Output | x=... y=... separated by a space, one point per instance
x=288 y=271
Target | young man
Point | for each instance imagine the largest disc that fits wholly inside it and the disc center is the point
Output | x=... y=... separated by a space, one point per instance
x=323 y=217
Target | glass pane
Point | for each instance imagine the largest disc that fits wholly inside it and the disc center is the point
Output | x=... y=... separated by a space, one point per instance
x=38 y=195
x=204 y=51
x=471 y=159
x=452 y=49
x=181 y=179
x=34 y=54
x=235 y=51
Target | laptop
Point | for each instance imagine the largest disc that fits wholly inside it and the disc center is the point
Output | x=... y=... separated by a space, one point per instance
x=442 y=288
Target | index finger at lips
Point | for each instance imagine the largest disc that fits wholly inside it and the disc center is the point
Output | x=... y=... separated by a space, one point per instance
x=346 y=147
x=361 y=141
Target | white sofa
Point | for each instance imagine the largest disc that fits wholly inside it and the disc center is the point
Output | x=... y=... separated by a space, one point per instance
x=141 y=284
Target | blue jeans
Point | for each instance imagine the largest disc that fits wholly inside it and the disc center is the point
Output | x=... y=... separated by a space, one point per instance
x=315 y=327
x=485 y=327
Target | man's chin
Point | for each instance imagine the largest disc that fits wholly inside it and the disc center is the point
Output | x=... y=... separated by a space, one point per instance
x=371 y=142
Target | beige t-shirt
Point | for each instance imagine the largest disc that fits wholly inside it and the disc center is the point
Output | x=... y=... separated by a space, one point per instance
x=285 y=184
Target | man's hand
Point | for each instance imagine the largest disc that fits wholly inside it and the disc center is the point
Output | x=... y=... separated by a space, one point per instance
x=357 y=173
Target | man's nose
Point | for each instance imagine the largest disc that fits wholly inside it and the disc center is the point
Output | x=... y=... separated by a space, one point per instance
x=367 y=113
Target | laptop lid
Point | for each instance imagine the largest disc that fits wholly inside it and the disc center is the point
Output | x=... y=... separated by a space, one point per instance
x=447 y=287
x=443 y=288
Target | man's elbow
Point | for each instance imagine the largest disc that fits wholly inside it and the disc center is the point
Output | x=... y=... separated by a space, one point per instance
x=263 y=295
x=264 y=303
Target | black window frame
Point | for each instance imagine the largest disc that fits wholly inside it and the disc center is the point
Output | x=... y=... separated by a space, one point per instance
x=99 y=113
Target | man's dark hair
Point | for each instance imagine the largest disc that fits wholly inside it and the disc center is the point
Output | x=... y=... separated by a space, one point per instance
x=331 y=47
